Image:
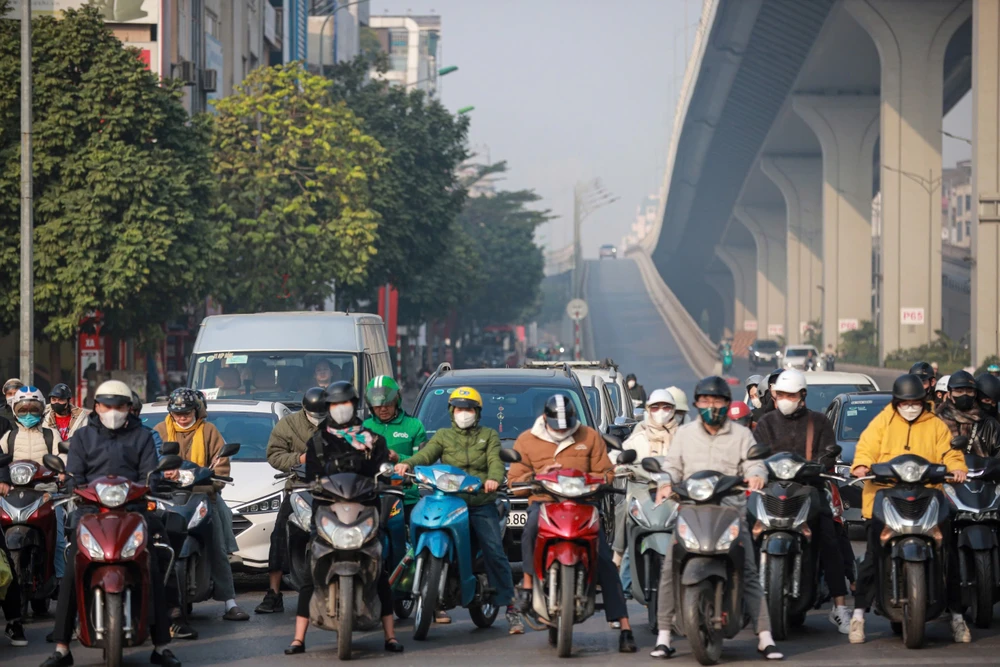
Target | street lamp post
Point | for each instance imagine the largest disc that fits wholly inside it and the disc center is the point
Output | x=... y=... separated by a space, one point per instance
x=444 y=71
x=587 y=198
x=322 y=32
x=27 y=356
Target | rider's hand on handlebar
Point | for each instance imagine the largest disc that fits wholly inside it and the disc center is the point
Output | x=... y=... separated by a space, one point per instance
x=860 y=471
x=959 y=475
x=663 y=493
x=4 y=489
x=754 y=483
x=172 y=475
x=491 y=485
x=302 y=459
x=401 y=468
x=550 y=468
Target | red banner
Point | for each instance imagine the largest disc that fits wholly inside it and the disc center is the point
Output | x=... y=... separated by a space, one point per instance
x=390 y=319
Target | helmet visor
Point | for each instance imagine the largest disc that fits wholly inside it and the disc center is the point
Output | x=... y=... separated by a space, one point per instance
x=112 y=400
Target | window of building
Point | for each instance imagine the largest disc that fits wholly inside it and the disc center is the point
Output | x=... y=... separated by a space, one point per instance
x=968 y=228
x=958 y=236
x=398 y=46
x=968 y=202
x=211 y=24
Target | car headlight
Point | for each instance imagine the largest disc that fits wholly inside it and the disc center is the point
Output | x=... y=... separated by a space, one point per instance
x=448 y=482
x=346 y=537
x=701 y=489
x=911 y=471
x=570 y=487
x=199 y=515
x=135 y=541
x=263 y=505
x=185 y=477
x=785 y=468
x=685 y=535
x=112 y=495
x=88 y=542
x=732 y=532
x=635 y=511
x=22 y=473
x=302 y=511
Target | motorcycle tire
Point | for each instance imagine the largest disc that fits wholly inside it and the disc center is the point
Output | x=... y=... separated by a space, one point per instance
x=567 y=610
x=427 y=601
x=914 y=604
x=553 y=636
x=114 y=634
x=655 y=562
x=982 y=592
x=698 y=609
x=484 y=615
x=346 y=622
x=403 y=608
x=777 y=606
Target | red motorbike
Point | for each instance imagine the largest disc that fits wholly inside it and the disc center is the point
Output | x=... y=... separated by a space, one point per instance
x=28 y=519
x=564 y=571
x=113 y=561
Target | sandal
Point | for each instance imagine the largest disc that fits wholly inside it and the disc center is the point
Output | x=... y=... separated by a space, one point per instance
x=393 y=646
x=297 y=646
x=442 y=618
x=771 y=653
x=663 y=652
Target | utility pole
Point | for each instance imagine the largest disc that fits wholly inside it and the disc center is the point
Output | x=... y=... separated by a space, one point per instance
x=27 y=289
x=587 y=198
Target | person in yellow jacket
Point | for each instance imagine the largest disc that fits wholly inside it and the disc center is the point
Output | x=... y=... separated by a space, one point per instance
x=906 y=426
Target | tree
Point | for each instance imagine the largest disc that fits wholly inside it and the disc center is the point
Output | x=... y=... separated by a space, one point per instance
x=121 y=183
x=296 y=176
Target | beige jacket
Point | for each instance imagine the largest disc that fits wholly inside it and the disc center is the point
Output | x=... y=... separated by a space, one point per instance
x=29 y=445
x=650 y=439
x=78 y=419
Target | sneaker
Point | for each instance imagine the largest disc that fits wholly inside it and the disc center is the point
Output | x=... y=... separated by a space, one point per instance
x=181 y=630
x=57 y=659
x=857 y=632
x=515 y=626
x=165 y=658
x=626 y=642
x=15 y=633
x=841 y=619
x=273 y=603
x=960 y=630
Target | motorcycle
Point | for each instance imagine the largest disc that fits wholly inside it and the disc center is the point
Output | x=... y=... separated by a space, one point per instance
x=708 y=560
x=976 y=525
x=564 y=573
x=449 y=570
x=395 y=549
x=789 y=561
x=648 y=527
x=727 y=360
x=345 y=557
x=112 y=560
x=28 y=518
x=297 y=528
x=912 y=521
x=185 y=509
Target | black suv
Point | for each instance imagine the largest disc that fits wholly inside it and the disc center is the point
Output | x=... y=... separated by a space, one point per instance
x=513 y=398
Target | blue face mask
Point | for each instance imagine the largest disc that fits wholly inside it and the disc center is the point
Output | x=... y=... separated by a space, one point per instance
x=29 y=420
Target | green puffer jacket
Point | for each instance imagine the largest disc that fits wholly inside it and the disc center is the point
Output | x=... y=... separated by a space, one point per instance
x=404 y=435
x=476 y=451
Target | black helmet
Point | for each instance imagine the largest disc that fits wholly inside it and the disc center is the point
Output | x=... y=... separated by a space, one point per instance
x=61 y=391
x=922 y=370
x=630 y=376
x=713 y=385
x=136 y=404
x=183 y=399
x=989 y=386
x=908 y=388
x=341 y=392
x=314 y=400
x=559 y=413
x=772 y=377
x=961 y=380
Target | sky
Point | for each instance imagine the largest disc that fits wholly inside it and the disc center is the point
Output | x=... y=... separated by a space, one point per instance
x=566 y=91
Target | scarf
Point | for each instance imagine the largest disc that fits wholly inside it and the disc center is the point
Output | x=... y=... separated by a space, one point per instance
x=198 y=454
x=357 y=436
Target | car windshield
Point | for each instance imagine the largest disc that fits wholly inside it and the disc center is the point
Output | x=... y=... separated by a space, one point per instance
x=594 y=398
x=509 y=408
x=819 y=396
x=616 y=395
x=251 y=429
x=858 y=413
x=766 y=346
x=799 y=352
x=270 y=376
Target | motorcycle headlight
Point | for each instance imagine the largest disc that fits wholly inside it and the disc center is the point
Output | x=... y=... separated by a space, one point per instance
x=448 y=482
x=570 y=487
x=701 y=489
x=635 y=511
x=135 y=541
x=88 y=542
x=685 y=535
x=347 y=537
x=302 y=511
x=423 y=478
x=199 y=515
x=185 y=477
x=911 y=471
x=732 y=532
x=21 y=473
x=112 y=495
x=785 y=468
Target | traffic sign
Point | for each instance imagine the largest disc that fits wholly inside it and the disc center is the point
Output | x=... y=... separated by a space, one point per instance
x=577 y=309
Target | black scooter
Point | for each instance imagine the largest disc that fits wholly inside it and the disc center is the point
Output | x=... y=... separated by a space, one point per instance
x=298 y=525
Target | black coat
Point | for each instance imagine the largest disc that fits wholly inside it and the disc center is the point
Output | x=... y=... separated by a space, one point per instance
x=328 y=454
x=788 y=434
x=95 y=452
x=637 y=393
x=766 y=407
x=982 y=429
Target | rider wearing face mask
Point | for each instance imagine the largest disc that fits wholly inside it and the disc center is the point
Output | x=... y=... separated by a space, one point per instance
x=10 y=388
x=635 y=391
x=61 y=415
x=988 y=388
x=403 y=434
x=766 y=397
x=905 y=426
x=965 y=417
x=752 y=385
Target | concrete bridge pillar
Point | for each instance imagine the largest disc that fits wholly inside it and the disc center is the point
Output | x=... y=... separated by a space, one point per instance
x=800 y=180
x=722 y=283
x=768 y=228
x=985 y=180
x=911 y=38
x=741 y=263
x=847 y=128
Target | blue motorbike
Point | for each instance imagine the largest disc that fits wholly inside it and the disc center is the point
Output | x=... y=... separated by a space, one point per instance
x=395 y=547
x=449 y=570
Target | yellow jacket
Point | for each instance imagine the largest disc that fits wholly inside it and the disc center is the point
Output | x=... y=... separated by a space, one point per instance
x=889 y=436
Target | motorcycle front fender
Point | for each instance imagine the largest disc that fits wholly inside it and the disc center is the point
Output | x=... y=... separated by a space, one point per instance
x=191 y=545
x=343 y=568
x=912 y=549
x=977 y=538
x=699 y=569
x=567 y=553
x=658 y=542
x=438 y=542
x=109 y=578
x=19 y=537
x=780 y=544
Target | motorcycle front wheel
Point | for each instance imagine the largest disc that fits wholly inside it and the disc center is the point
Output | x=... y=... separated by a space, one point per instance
x=427 y=602
x=982 y=592
x=345 y=625
x=777 y=608
x=114 y=629
x=914 y=604
x=567 y=610
x=698 y=610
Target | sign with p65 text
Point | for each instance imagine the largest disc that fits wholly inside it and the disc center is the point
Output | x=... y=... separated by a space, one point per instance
x=911 y=315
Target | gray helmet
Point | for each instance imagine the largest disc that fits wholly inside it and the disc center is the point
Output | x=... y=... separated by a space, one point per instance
x=753 y=381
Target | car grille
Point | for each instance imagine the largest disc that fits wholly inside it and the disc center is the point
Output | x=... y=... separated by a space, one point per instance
x=911 y=510
x=240 y=524
x=783 y=509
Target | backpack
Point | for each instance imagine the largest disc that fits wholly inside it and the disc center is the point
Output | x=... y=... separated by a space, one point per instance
x=46 y=433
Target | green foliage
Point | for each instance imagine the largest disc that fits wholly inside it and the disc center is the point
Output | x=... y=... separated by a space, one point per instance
x=992 y=359
x=814 y=334
x=944 y=350
x=121 y=183
x=860 y=346
x=296 y=176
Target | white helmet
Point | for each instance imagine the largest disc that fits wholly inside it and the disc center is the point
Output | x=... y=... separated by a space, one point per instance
x=660 y=396
x=114 y=393
x=791 y=381
x=942 y=384
x=680 y=399
x=26 y=395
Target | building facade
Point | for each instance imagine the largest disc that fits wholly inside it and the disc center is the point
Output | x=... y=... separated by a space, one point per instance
x=335 y=31
x=413 y=44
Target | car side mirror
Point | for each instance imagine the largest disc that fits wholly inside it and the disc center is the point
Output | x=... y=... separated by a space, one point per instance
x=510 y=456
x=170 y=448
x=960 y=442
x=758 y=451
x=169 y=462
x=651 y=464
x=53 y=463
x=623 y=421
x=63 y=447
x=626 y=457
x=229 y=449
x=639 y=414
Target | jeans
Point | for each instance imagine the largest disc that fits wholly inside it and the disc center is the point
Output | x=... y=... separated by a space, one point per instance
x=753 y=594
x=626 y=570
x=60 y=554
x=607 y=573
x=222 y=572
x=484 y=521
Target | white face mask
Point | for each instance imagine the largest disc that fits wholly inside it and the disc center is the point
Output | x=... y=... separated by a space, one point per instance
x=661 y=417
x=342 y=413
x=631 y=384
x=787 y=406
x=465 y=419
x=755 y=402
x=909 y=412
x=113 y=419
x=314 y=418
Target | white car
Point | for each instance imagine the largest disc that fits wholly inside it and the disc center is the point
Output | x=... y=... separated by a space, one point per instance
x=824 y=386
x=794 y=356
x=254 y=497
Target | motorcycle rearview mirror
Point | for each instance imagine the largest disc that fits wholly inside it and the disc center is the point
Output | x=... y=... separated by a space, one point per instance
x=229 y=449
x=960 y=442
x=651 y=464
x=622 y=421
x=169 y=462
x=626 y=457
x=53 y=463
x=170 y=448
x=612 y=441
x=63 y=447
x=834 y=452
x=758 y=451
x=510 y=455
x=385 y=470
x=639 y=414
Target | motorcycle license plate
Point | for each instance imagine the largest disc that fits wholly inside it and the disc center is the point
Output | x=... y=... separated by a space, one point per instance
x=517 y=518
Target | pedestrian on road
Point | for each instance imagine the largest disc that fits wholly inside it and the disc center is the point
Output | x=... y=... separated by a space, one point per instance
x=636 y=392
